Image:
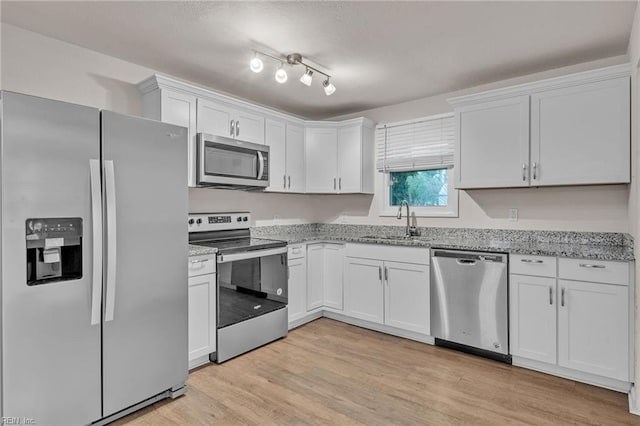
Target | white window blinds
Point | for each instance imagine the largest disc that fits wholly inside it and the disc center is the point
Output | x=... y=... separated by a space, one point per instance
x=422 y=144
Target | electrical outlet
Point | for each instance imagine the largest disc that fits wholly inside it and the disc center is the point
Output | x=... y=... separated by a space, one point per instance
x=276 y=219
x=513 y=215
x=344 y=218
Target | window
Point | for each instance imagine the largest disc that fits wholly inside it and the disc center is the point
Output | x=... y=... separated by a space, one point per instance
x=415 y=161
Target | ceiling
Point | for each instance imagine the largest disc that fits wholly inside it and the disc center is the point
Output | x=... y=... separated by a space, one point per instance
x=379 y=53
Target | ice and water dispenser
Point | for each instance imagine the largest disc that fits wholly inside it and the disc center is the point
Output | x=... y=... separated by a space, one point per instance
x=54 y=250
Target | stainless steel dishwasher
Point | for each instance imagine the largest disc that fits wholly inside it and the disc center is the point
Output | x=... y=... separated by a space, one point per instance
x=469 y=302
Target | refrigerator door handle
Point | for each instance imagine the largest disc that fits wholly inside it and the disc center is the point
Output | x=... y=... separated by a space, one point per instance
x=110 y=187
x=96 y=225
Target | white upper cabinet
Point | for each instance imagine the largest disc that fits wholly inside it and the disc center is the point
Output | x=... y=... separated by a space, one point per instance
x=305 y=156
x=580 y=134
x=295 y=158
x=286 y=156
x=492 y=141
x=571 y=130
x=340 y=157
x=321 y=151
x=275 y=137
x=217 y=118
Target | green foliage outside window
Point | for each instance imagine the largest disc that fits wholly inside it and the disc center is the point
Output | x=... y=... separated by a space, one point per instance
x=425 y=188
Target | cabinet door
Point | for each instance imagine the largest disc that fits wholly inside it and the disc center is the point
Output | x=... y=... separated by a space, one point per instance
x=275 y=138
x=333 y=275
x=532 y=302
x=363 y=289
x=249 y=126
x=297 y=288
x=350 y=159
x=580 y=135
x=180 y=109
x=214 y=118
x=407 y=296
x=295 y=158
x=321 y=155
x=492 y=141
x=315 y=276
x=202 y=315
x=593 y=328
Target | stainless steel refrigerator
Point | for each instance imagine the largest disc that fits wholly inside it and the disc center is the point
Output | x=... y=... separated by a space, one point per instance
x=93 y=261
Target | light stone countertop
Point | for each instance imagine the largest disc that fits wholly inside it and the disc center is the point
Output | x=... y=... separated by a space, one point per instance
x=196 y=250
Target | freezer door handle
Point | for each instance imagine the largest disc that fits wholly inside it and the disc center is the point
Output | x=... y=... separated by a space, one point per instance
x=110 y=189
x=96 y=226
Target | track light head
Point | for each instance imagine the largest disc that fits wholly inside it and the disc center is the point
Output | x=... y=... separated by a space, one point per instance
x=281 y=75
x=256 y=64
x=306 y=77
x=329 y=88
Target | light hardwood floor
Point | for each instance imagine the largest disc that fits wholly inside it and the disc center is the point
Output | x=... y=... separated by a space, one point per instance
x=327 y=372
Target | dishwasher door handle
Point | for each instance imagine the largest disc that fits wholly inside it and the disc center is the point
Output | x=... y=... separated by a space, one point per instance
x=466 y=262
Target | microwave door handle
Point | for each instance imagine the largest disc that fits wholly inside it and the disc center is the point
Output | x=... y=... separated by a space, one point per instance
x=227 y=258
x=260 y=165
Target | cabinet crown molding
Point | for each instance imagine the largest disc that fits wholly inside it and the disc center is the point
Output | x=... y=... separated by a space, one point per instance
x=615 y=71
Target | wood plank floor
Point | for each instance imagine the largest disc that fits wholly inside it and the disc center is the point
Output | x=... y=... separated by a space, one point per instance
x=327 y=372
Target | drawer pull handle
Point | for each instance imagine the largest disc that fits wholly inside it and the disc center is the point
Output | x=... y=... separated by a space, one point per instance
x=197 y=261
x=531 y=261
x=590 y=265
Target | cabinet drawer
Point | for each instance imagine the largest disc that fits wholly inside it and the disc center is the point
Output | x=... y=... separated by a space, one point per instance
x=296 y=251
x=201 y=265
x=594 y=271
x=389 y=253
x=541 y=266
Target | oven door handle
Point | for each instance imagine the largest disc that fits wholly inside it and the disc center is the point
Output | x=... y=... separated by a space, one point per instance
x=227 y=258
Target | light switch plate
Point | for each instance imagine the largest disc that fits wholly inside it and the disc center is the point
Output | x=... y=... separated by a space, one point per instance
x=344 y=217
x=513 y=215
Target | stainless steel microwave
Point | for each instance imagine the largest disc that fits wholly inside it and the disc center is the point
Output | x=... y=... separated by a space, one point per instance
x=230 y=163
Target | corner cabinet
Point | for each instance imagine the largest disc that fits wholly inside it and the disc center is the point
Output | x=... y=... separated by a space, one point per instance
x=571 y=130
x=340 y=157
x=325 y=276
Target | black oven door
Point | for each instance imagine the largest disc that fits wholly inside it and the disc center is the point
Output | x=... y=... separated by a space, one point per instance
x=251 y=284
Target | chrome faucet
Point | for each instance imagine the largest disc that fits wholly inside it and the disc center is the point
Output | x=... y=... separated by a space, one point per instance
x=409 y=230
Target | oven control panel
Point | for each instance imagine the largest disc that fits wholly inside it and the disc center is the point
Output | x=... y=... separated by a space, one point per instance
x=199 y=222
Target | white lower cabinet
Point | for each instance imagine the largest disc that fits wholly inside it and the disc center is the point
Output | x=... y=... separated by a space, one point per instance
x=533 y=317
x=363 y=290
x=202 y=310
x=297 y=290
x=593 y=328
x=325 y=263
x=406 y=297
x=579 y=325
x=390 y=293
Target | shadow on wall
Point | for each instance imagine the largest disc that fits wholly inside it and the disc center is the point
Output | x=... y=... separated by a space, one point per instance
x=581 y=203
x=120 y=96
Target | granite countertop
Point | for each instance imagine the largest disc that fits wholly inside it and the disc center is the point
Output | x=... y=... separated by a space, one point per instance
x=595 y=246
x=196 y=250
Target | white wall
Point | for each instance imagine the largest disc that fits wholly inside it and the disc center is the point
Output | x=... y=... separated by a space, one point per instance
x=38 y=65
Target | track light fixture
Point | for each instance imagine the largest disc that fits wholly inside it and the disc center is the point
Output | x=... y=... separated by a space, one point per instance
x=293 y=59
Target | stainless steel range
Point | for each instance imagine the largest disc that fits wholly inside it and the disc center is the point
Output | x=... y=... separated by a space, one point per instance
x=251 y=282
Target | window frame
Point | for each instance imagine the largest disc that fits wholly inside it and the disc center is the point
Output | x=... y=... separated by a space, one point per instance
x=386 y=209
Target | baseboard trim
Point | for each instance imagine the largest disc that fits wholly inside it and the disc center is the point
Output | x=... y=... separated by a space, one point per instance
x=578 y=376
x=314 y=315
x=379 y=327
